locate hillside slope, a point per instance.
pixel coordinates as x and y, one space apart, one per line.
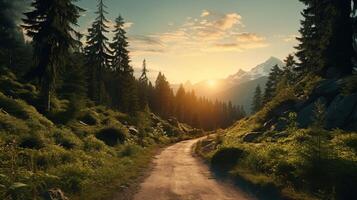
301 145
98 152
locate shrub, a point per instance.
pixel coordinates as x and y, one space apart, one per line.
91 143
112 136
12 107
352 143
227 158
32 141
350 85
89 118
52 156
72 177
130 150
66 139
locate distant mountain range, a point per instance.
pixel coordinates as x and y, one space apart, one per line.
239 87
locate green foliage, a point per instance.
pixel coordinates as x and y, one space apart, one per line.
48 28
322 36
66 139
112 136
72 177
91 144
97 56
227 157
32 141
89 118
10 86
130 150
257 100
350 85
272 84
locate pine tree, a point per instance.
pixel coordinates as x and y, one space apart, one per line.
98 54
120 65
180 101
143 87
11 36
338 38
162 96
308 47
326 44
50 25
289 69
257 100
270 87
120 61
143 78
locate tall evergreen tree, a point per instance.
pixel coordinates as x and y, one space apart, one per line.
326 42
180 103
289 69
50 25
257 100
12 40
143 87
98 54
270 87
162 95
144 78
120 61
127 88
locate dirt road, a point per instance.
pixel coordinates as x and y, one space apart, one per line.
177 175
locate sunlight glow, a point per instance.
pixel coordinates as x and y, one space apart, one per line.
211 83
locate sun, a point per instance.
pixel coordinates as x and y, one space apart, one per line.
211 83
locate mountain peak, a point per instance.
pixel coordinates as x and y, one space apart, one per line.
241 71
272 58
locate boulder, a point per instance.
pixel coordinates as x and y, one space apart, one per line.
174 122
353 120
280 135
250 137
55 194
133 130
328 87
340 111
306 115
282 108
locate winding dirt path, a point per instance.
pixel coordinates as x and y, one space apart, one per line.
177 175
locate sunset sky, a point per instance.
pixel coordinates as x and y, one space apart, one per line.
203 39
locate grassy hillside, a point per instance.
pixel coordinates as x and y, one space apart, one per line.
274 154
89 155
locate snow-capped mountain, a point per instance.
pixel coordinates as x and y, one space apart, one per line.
238 87
259 71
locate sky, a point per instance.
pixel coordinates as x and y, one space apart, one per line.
194 40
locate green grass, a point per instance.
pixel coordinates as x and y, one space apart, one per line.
73 152
310 163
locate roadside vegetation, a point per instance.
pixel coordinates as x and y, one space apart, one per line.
300 142
96 153
281 158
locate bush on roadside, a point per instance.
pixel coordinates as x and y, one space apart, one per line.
91 144
66 139
112 136
89 118
226 158
32 141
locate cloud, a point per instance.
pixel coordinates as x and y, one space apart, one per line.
249 37
288 38
205 13
211 31
146 39
128 25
